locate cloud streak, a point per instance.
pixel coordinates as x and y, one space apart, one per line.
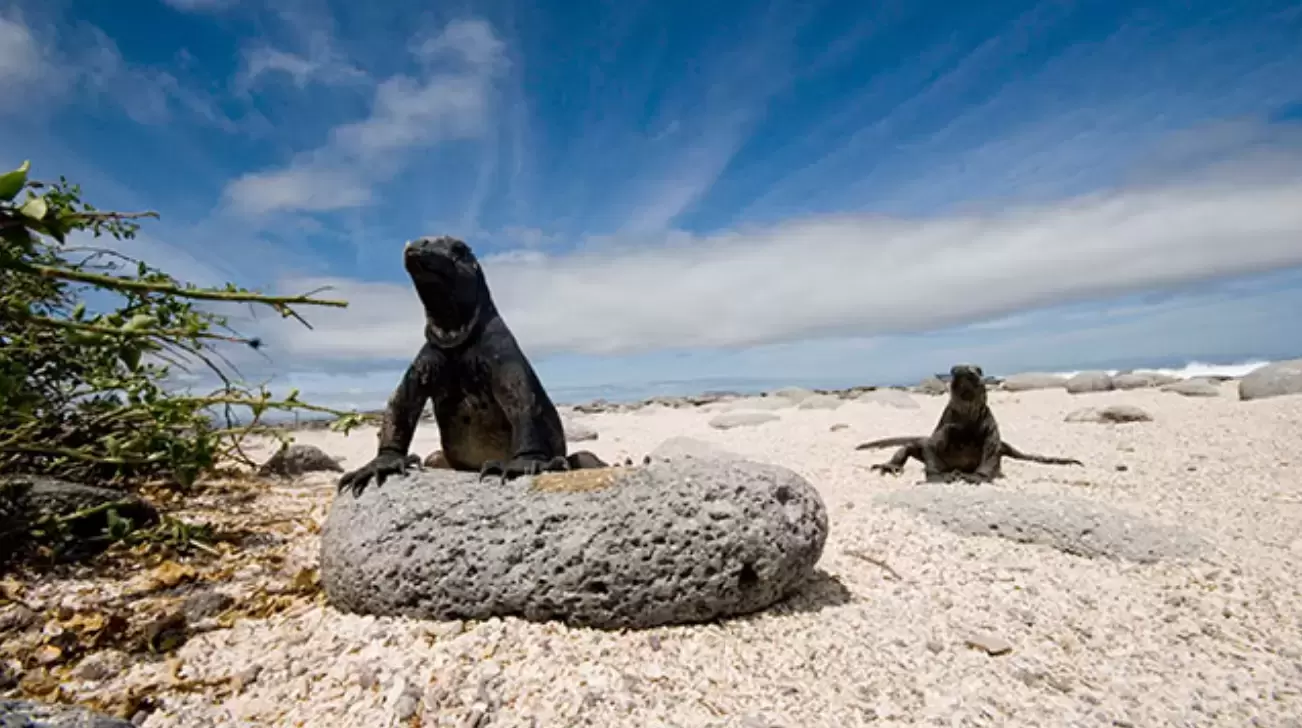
407 113
852 275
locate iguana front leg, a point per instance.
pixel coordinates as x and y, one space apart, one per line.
991 452
399 425
518 393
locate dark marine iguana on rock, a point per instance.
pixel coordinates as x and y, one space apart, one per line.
492 411
965 444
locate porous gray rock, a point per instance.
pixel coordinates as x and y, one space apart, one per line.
1278 379
297 459
1089 382
1193 388
1113 414
730 420
820 402
31 714
666 543
1072 525
890 398
1033 380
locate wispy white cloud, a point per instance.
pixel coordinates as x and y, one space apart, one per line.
322 65
406 113
22 61
82 64
853 275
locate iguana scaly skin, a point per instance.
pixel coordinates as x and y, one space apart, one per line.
492 411
965 444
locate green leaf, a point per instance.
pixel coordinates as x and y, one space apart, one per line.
11 183
35 208
79 311
139 321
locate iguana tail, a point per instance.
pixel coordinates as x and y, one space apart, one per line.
890 442
1009 451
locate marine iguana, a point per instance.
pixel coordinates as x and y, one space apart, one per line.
966 442
492 411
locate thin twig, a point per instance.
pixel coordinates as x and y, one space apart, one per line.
875 561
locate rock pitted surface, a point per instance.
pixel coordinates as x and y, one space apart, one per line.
1272 380
666 543
1073 525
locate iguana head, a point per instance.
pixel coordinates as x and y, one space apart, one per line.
967 385
451 287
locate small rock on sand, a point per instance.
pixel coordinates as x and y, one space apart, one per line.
1272 380
1194 388
991 644
297 459
1116 413
1033 380
730 420
890 398
1073 525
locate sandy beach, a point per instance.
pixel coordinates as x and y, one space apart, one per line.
898 628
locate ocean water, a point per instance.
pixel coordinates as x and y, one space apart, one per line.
637 392
1192 369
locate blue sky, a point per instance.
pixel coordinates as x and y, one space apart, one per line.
710 193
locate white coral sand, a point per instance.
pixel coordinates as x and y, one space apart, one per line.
1093 642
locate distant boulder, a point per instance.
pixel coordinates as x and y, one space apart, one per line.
1033 380
932 385
1089 382
1194 388
1272 380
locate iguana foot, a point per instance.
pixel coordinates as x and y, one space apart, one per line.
516 467
887 468
380 468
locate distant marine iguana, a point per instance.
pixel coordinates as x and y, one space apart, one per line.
966 442
492 411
